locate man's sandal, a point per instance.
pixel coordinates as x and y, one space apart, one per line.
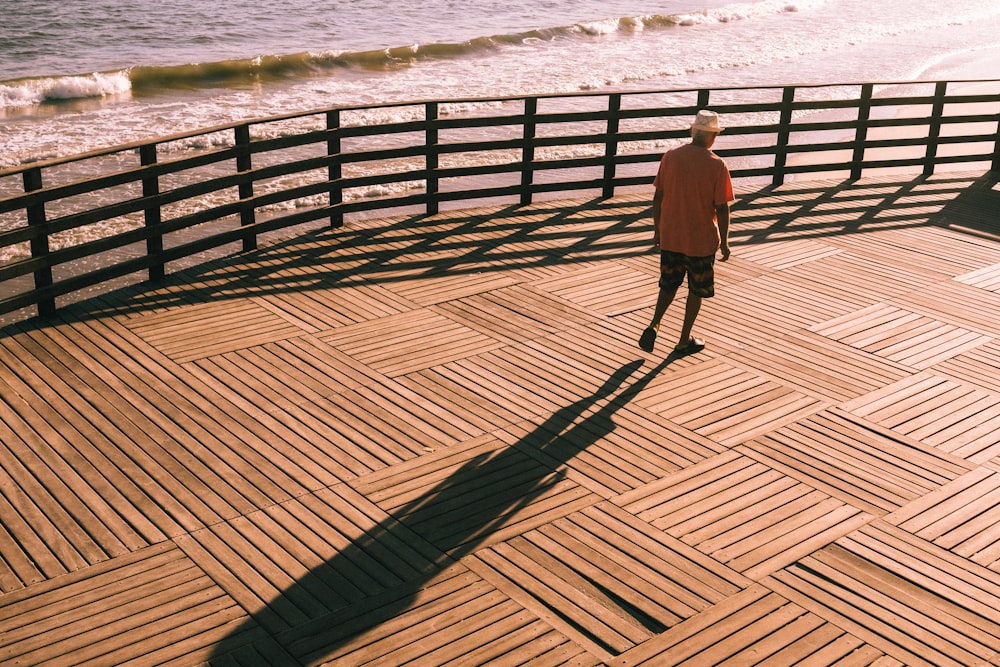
693 345
647 340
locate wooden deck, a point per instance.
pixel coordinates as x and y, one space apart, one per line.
434 441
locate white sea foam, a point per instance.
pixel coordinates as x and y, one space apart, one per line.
605 27
36 91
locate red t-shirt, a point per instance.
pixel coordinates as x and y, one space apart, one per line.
694 180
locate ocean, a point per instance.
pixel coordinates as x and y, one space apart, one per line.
76 75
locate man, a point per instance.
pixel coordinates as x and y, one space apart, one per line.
693 191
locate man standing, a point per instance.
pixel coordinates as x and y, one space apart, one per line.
690 223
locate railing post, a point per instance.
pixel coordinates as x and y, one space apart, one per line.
431 142
244 166
996 150
861 131
934 129
703 97
39 241
335 170
528 149
153 215
784 133
611 144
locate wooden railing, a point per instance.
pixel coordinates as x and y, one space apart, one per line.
134 211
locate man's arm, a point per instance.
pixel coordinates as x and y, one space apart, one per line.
657 201
722 215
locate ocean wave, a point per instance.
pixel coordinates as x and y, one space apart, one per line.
144 80
26 92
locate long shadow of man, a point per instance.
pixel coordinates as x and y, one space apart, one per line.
453 518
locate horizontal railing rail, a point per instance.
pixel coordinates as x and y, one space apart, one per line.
133 211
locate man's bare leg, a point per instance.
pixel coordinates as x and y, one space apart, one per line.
663 300
691 310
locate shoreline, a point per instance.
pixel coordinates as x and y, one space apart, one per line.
983 63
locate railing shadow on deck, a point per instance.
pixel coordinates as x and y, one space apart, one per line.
818 209
482 484
505 238
398 250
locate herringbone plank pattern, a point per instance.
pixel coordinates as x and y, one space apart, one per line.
447 449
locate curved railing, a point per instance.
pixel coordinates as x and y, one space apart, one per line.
141 210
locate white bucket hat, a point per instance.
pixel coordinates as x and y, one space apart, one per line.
707 121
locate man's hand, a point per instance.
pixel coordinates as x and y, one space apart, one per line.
724 249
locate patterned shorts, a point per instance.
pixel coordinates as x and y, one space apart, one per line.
699 270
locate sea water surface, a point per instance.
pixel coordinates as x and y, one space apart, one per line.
76 75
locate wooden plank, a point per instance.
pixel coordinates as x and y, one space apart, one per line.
699 382
458 399
902 336
506 381
441 288
562 383
450 619
210 434
786 254
114 611
987 278
207 639
515 313
300 561
109 517
726 404
248 382
397 345
902 249
355 441
321 308
840 328
776 305
961 305
204 330
437 424
961 517
603 290
611 451
942 612
403 483
965 420
596 623
476 376
845 458
474 494
941 242
733 319
111 470
522 643
898 396
44 535
603 579
817 366
648 502
750 627
755 522
980 366
858 280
